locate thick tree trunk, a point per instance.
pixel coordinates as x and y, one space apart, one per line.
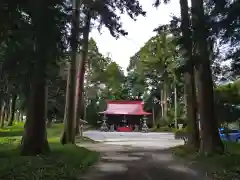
34 140
78 101
210 137
82 68
68 136
189 78
191 111
63 136
13 109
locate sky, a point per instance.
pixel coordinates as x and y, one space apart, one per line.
139 32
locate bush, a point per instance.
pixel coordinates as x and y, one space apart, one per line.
166 129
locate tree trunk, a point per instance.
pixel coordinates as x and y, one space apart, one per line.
2 114
63 136
191 111
85 111
6 111
175 106
13 109
78 101
161 101
165 96
34 140
189 78
185 100
19 116
68 136
82 67
210 137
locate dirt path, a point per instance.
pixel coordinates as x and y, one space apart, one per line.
128 163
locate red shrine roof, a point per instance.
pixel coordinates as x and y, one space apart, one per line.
123 107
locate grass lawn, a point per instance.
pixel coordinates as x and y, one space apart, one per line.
63 162
217 167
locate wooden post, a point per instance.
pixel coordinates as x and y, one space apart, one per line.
153 115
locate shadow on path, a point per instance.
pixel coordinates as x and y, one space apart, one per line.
128 163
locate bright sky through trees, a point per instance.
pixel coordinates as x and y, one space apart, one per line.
139 32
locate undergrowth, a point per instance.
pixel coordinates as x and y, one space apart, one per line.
63 162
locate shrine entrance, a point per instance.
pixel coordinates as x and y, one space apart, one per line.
124 116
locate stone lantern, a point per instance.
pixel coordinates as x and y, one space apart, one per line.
104 124
144 126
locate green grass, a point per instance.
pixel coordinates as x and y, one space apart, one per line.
217 167
63 162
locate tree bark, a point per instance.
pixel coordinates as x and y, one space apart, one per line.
34 140
162 106
68 136
185 99
175 106
82 66
19 116
78 101
2 114
13 109
210 137
63 136
165 96
192 127
6 110
189 78
85 111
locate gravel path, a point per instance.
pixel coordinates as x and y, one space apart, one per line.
119 162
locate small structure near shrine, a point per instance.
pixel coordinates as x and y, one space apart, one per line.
81 123
124 115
